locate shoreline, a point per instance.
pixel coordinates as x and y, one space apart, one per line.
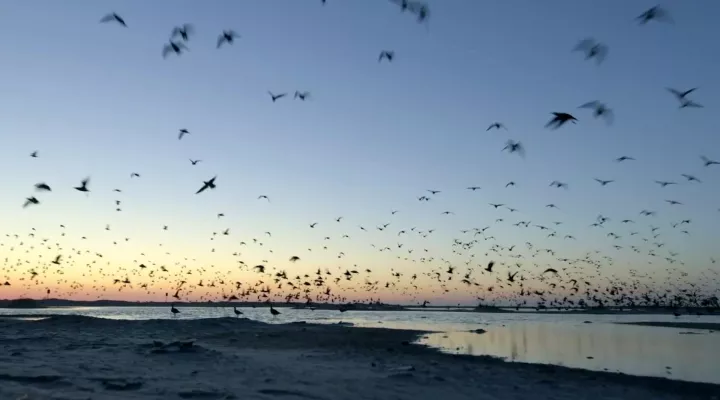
50 304
230 358
709 326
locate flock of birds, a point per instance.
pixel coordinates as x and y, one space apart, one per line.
520 280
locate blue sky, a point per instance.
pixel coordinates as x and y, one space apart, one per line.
98 100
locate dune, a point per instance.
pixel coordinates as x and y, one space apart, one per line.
73 357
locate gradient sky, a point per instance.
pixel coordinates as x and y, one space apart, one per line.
98 100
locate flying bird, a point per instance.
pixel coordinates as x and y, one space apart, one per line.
496 125
559 119
83 185
184 31
592 49
34 154
173 47
42 186
301 95
275 97
182 133
654 14
207 185
194 162
386 54
708 162
602 182
113 17
227 36
30 200
624 158
599 110
514 147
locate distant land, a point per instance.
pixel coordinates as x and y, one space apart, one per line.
375 306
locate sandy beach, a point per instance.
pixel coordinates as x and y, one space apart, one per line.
72 358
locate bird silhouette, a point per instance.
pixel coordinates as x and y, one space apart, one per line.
275 97
655 13
184 31
83 185
173 47
207 185
559 119
599 110
592 49
227 36
113 17
387 55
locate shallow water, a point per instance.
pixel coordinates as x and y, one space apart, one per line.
559 339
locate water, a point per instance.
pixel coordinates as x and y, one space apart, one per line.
559 339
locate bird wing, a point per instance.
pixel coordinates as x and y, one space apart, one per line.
202 189
590 104
220 40
676 92
107 18
165 51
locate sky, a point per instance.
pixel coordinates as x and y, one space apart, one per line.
98 100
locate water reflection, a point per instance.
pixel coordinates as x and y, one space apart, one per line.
629 349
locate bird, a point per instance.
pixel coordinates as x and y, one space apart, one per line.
599 110
496 125
592 49
681 97
56 261
227 36
655 13
624 158
559 119
42 186
30 200
34 154
182 133
194 162
294 259
275 97
708 162
603 182
134 175
273 311
174 310
301 95
691 178
237 312
207 185
173 47
386 54
184 31
490 266
514 147
83 185
113 17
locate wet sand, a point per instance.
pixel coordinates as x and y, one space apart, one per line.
72 357
712 326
